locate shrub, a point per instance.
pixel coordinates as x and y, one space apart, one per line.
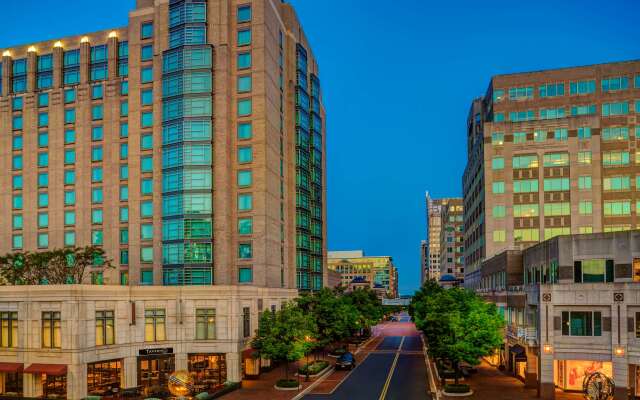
287 383
459 388
313 367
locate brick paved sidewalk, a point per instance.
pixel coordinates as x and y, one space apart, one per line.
262 389
491 384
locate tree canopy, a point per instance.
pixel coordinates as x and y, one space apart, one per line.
54 267
458 324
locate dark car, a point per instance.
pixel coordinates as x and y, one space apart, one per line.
346 361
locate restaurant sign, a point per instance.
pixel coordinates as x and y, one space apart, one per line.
154 352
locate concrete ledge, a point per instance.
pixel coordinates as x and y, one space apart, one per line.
276 387
445 394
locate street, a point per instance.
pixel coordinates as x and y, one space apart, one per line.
395 370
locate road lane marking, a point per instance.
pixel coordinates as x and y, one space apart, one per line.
385 388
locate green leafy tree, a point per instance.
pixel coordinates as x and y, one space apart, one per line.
367 304
458 325
335 318
54 267
285 335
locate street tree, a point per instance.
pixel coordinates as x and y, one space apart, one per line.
367 304
459 326
285 335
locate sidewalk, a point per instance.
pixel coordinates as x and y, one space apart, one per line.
489 383
262 388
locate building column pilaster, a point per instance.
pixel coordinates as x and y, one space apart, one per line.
130 366
234 373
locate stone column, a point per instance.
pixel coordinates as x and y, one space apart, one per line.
76 381
58 67
181 361
32 66
85 61
6 73
130 372
32 385
620 363
112 57
234 372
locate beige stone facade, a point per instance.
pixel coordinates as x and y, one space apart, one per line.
137 338
434 223
251 155
550 152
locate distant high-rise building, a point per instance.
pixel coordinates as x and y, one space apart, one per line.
424 262
434 223
551 153
452 241
359 270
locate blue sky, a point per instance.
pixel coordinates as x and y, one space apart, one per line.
398 78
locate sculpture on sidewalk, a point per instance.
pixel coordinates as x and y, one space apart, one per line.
598 386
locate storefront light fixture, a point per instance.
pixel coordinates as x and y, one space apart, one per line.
547 348
31 49
57 44
619 351
6 53
113 34
85 39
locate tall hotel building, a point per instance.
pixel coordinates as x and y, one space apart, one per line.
189 145
551 153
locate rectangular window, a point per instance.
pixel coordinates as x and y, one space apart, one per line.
555 184
615 84
244 14
615 158
526 235
612 109
498 187
244 107
146 52
245 226
499 236
154 325
519 137
497 138
584 157
561 135
585 207
551 90
244 84
526 210
584 133
617 208
245 275
557 209
205 324
244 37
105 328
497 163
521 93
556 160
582 87
245 154
9 331
525 186
615 133
245 202
581 323
146 74
617 183
244 60
146 30
51 330
246 321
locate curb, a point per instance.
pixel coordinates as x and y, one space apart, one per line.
433 386
309 388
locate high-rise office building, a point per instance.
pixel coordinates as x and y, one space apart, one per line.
434 223
424 262
551 153
452 242
190 146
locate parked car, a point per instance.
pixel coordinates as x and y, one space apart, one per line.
346 361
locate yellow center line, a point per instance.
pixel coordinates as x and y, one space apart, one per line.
385 388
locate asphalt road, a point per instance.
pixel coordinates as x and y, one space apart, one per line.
396 370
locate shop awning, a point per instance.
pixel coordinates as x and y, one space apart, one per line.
247 353
49 369
11 367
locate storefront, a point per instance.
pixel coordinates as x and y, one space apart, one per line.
250 365
570 374
209 371
53 378
104 378
518 361
154 368
11 379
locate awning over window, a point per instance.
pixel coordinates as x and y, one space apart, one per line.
11 367
49 369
